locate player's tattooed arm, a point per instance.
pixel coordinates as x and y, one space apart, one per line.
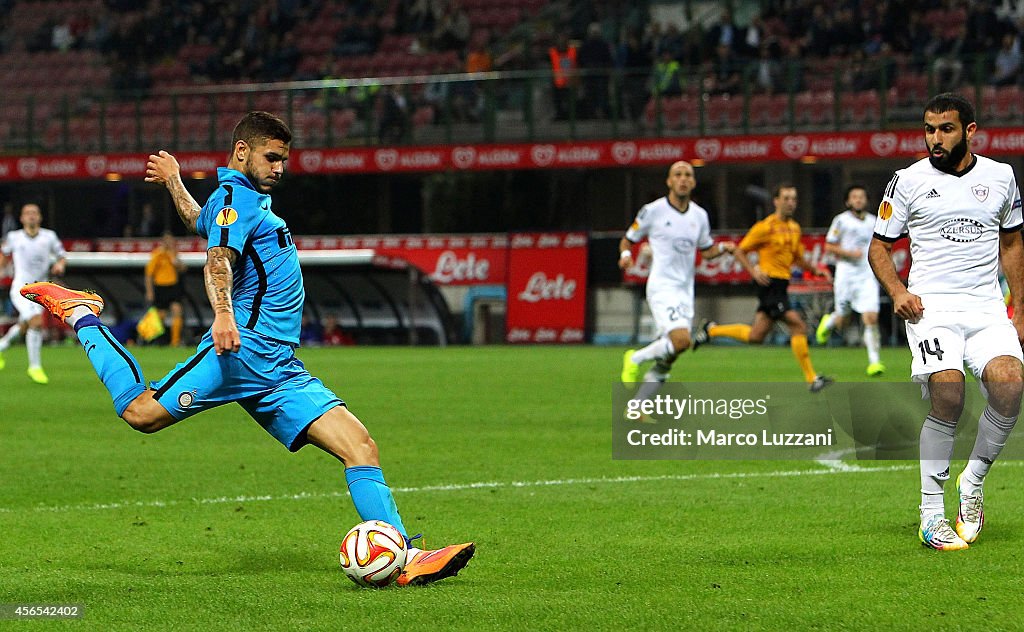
218 276
163 168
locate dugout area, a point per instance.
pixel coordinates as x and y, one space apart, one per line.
375 305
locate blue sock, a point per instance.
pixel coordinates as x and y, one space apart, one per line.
116 368
372 497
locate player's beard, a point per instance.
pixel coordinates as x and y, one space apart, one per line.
950 159
262 185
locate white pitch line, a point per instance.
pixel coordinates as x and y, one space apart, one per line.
456 487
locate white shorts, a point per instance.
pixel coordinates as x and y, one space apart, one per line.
671 309
26 309
856 293
943 341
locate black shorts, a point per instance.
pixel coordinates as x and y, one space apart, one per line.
773 299
164 295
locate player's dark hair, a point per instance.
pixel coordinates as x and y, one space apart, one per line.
22 206
950 102
780 186
854 187
258 127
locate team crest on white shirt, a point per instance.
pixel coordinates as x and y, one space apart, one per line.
980 191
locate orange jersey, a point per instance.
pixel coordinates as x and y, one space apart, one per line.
778 245
161 268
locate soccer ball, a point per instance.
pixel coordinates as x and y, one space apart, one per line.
373 554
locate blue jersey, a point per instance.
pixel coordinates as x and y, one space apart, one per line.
267 289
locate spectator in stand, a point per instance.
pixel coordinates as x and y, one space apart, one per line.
357 37
150 224
859 74
425 15
466 98
61 38
724 73
944 49
767 74
311 334
755 34
985 27
693 51
667 80
101 28
563 58
672 40
724 33
478 53
632 60
650 39
596 62
452 32
846 35
334 335
817 40
436 93
394 115
79 26
793 68
1008 61
280 60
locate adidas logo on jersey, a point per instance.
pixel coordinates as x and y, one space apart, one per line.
932 195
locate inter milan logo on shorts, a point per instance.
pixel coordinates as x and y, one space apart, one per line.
961 230
980 191
185 399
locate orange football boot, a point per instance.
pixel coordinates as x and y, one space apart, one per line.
427 567
61 301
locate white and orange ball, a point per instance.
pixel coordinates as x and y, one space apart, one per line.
373 554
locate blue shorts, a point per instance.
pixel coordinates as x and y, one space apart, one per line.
264 377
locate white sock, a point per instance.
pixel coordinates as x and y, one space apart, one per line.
653 380
873 341
936 451
660 349
77 313
33 342
9 337
993 429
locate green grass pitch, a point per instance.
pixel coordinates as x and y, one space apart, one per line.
211 525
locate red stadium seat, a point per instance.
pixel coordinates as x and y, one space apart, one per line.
1009 102
860 107
724 112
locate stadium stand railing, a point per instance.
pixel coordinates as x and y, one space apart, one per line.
395 108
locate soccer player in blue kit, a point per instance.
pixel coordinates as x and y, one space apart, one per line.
254 285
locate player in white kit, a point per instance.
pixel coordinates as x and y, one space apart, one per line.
962 212
37 253
677 228
855 288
